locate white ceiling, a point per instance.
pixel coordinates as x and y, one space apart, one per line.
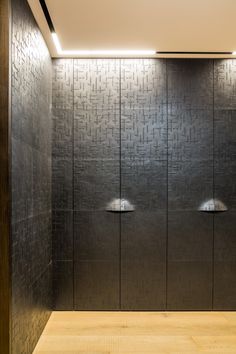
162 25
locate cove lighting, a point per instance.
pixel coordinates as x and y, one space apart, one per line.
234 53
88 53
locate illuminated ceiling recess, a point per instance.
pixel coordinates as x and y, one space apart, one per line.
96 53
137 28
87 53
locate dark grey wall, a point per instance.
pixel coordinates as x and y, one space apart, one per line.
31 180
162 133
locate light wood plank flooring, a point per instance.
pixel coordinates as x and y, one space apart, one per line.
139 332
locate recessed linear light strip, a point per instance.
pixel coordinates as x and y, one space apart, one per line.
60 51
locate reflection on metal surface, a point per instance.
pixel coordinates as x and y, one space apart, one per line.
120 205
213 205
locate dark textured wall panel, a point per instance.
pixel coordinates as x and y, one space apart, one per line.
225 156
144 130
62 235
62 85
97 236
143 183
31 96
31 181
41 182
62 182
190 251
63 287
190 286
97 239
190 182
97 134
225 84
31 248
225 261
96 183
96 85
143 109
190 134
22 180
225 184
143 83
190 83
96 285
143 254
32 308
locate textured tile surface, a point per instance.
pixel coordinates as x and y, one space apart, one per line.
146 130
96 84
143 109
189 285
62 235
143 260
189 184
22 180
190 260
225 156
144 183
190 134
225 186
62 84
225 261
96 183
143 84
63 278
96 285
225 84
190 236
97 236
62 183
97 134
31 181
190 84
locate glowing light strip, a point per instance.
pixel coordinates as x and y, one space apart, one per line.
234 53
60 51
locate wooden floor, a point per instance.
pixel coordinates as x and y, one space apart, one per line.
139 332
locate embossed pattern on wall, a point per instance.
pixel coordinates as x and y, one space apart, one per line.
96 183
31 180
225 183
161 134
144 183
62 183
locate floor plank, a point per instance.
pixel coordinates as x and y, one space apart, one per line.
139 332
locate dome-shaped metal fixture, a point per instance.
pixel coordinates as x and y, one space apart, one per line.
120 205
213 205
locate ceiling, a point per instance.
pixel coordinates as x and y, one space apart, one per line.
161 25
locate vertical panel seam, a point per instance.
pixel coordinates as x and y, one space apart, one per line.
120 248
213 184
73 184
167 182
